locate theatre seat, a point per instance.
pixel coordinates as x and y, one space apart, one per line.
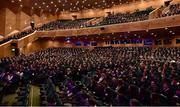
133 91
158 100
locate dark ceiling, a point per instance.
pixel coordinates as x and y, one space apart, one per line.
57 6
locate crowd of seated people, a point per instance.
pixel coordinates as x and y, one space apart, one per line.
17 36
173 10
106 75
111 19
76 24
126 17
11 80
170 54
65 24
54 25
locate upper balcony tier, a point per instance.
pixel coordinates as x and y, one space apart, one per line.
146 25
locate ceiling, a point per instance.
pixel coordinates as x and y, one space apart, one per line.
56 6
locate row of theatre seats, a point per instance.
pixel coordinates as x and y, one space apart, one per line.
65 24
23 95
48 95
126 17
111 19
103 76
173 10
14 82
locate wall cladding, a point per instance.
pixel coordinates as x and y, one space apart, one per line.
5 50
10 21
37 19
24 20
2 21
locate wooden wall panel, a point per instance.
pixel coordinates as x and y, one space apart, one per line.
40 44
2 21
175 1
37 20
18 20
10 21
24 20
26 40
5 50
125 45
32 47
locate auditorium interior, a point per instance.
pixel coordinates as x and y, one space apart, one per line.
90 53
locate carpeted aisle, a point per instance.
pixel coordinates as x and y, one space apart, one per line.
34 98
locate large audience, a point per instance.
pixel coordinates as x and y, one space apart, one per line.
173 10
65 24
103 76
126 17
110 19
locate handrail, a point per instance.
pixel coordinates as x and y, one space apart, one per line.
17 39
27 36
6 43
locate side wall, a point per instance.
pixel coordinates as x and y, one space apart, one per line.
5 50
2 21
10 21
